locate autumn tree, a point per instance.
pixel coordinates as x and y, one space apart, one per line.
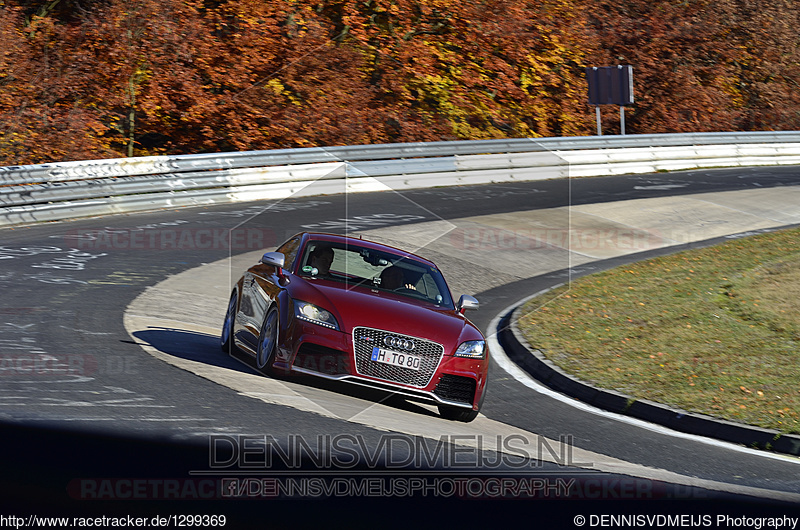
145 60
42 116
682 60
767 72
293 83
466 69
86 79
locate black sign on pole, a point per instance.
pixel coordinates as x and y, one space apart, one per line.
610 85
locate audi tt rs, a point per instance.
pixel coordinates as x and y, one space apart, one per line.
352 310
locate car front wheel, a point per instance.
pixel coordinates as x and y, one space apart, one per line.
226 337
268 342
457 413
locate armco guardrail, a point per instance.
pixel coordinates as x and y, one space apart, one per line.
49 192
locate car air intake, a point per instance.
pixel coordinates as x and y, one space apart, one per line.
456 388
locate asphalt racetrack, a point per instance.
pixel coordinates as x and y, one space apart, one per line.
115 398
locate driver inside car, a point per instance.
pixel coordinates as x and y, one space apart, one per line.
393 278
321 258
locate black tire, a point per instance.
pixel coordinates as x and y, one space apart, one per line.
226 337
457 413
268 342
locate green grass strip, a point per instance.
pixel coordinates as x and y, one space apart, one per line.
714 331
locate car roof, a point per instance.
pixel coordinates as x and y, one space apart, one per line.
336 238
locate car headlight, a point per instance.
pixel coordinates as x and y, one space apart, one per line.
473 349
314 314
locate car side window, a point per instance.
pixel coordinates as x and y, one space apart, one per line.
289 249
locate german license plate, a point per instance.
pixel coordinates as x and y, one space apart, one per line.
395 358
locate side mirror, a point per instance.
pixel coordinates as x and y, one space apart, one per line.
467 302
276 259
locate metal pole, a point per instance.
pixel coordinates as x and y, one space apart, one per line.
599 126
622 119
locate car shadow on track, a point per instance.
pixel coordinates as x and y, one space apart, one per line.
204 348
189 345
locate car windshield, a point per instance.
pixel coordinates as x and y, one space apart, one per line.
376 269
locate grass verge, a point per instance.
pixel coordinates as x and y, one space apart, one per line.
714 331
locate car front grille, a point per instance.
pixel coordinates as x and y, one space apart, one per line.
365 339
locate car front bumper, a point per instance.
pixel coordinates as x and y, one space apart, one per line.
443 378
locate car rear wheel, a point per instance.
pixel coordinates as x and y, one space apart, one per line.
457 413
226 337
268 342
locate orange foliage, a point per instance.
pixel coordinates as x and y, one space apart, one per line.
98 79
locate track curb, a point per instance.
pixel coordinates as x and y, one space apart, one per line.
533 362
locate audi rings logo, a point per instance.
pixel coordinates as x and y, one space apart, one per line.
398 343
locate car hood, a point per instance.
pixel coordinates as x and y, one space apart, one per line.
359 306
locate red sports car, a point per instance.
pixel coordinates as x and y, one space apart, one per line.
353 310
